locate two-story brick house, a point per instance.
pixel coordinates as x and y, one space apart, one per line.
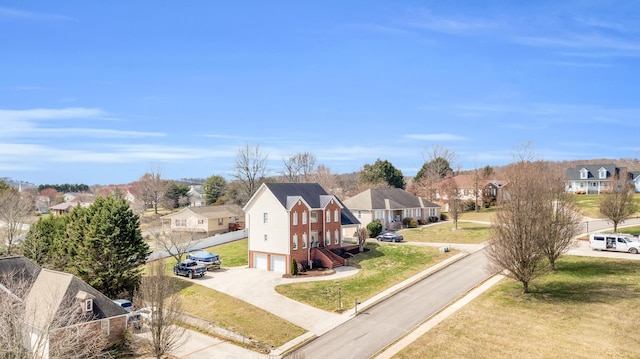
298 221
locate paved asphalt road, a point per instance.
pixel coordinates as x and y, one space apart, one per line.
372 330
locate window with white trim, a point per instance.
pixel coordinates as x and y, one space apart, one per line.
295 241
602 173
220 221
336 216
88 305
266 236
584 173
265 217
359 214
328 216
313 217
336 237
327 239
304 240
304 217
295 218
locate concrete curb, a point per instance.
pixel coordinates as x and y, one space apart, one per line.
436 319
404 284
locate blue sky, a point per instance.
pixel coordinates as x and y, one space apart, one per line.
101 92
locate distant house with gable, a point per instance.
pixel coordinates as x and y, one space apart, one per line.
207 220
594 179
390 206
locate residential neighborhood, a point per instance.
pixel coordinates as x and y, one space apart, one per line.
291 234
317 180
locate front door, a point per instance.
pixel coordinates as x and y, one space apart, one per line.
314 239
622 245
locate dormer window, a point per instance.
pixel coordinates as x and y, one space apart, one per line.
584 173
602 173
86 301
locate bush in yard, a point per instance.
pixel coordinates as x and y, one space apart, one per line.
443 216
469 206
294 267
433 219
409 222
374 228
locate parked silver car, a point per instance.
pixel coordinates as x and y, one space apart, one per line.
390 236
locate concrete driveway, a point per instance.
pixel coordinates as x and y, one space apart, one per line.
256 286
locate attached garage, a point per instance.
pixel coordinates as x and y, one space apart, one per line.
260 261
278 264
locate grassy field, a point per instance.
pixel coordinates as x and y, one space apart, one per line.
484 215
380 268
585 310
236 315
588 204
466 233
233 254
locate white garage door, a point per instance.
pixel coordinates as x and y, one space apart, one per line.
278 264
260 261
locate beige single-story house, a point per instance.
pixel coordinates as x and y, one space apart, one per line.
205 219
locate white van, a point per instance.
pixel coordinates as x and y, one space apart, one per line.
618 242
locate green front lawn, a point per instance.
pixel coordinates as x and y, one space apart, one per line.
234 314
588 204
382 267
467 233
585 310
233 254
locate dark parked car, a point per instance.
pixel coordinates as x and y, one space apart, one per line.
390 236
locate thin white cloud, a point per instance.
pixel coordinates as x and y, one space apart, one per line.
436 137
580 41
15 14
49 113
425 19
28 124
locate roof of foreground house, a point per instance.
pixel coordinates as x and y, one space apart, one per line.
220 211
52 291
387 198
312 193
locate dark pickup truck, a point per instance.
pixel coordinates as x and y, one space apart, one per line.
189 269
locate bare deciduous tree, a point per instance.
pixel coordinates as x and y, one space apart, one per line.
176 243
449 189
299 167
325 179
159 292
438 164
519 225
151 189
363 234
561 221
617 204
15 210
250 168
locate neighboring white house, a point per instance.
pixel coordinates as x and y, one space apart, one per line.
390 206
196 196
593 179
